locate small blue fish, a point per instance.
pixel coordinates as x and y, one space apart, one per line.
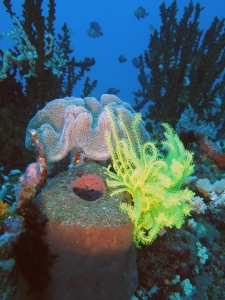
112 91
122 58
94 30
92 33
140 13
136 62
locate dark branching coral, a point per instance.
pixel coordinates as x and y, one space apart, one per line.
71 78
47 71
14 115
88 87
182 66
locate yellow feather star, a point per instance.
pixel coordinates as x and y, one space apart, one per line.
153 179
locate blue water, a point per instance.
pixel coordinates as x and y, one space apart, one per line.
123 34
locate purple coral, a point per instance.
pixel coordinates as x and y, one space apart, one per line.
29 183
74 122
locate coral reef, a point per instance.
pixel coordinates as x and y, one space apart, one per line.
192 129
32 255
35 175
11 226
39 53
81 123
182 66
93 239
194 252
29 182
152 178
4 209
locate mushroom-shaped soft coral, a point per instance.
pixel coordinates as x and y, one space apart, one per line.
73 122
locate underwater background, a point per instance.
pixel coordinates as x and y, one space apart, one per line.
112 149
123 34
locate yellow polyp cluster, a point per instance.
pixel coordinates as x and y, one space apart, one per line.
4 209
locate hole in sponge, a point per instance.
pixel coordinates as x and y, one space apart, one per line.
89 187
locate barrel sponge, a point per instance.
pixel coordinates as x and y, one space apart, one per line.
74 122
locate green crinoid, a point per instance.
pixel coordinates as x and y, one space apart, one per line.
152 177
